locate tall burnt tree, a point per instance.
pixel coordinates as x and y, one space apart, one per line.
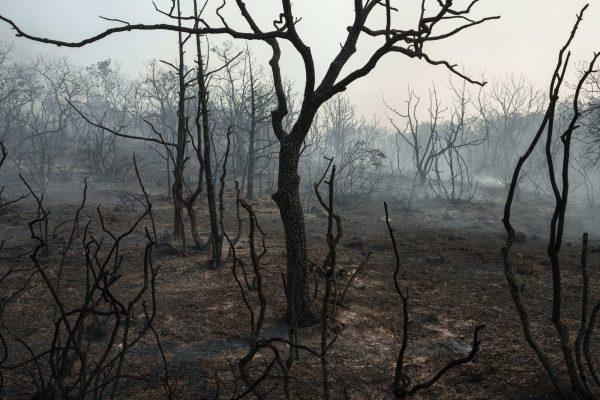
202 144
216 237
442 21
179 227
256 107
582 380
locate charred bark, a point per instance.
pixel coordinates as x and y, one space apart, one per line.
178 226
215 235
301 303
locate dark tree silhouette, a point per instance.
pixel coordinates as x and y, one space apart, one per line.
433 25
583 380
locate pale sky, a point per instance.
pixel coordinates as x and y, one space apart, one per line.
524 41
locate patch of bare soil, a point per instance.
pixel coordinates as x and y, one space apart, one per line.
450 263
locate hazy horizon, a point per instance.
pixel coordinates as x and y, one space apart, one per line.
525 41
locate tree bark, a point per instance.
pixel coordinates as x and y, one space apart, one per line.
301 304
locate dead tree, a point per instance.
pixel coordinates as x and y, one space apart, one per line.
259 100
91 334
426 147
329 270
203 144
231 92
431 26
106 95
41 135
452 177
353 142
582 380
215 234
252 282
402 384
509 110
180 158
14 82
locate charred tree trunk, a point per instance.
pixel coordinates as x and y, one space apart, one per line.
178 227
215 235
252 138
301 305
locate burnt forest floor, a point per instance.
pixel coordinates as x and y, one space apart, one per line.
449 260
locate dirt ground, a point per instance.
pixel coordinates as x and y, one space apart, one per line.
450 263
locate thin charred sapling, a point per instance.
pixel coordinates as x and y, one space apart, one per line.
216 238
91 334
244 105
329 262
252 282
329 266
237 214
3 156
582 380
222 181
402 384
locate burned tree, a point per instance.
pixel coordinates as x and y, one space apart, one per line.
259 99
452 178
354 143
423 138
402 385
431 26
508 114
582 377
157 86
93 332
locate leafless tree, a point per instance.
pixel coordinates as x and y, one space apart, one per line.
158 90
582 381
106 98
509 111
229 94
453 178
431 26
92 333
423 138
256 109
402 384
355 144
